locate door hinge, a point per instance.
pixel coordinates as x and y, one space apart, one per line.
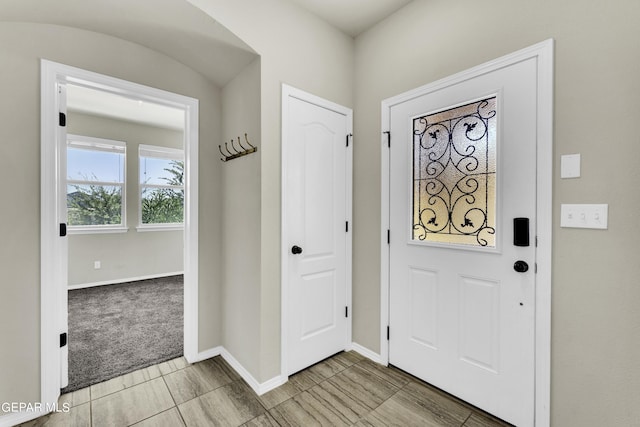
388 237
63 339
349 135
62 119
346 226
346 311
388 333
388 138
63 229
535 268
536 241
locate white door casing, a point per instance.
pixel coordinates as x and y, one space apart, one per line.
461 318
316 168
53 288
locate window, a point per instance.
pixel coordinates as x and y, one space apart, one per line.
95 184
161 187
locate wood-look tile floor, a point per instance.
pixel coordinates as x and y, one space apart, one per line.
344 390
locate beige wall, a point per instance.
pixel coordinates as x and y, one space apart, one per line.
298 49
21 47
595 319
132 254
241 220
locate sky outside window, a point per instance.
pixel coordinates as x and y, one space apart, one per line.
91 165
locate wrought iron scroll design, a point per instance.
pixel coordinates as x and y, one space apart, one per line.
453 171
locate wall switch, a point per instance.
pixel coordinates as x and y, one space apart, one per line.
96 265
584 216
570 166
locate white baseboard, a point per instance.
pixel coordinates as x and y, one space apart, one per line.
369 354
13 419
259 388
269 385
130 279
207 354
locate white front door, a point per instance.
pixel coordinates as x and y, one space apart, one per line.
316 242
462 207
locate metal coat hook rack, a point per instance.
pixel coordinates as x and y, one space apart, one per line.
233 152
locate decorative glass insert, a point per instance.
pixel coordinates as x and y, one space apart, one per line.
454 175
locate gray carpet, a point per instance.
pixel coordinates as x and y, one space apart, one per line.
116 329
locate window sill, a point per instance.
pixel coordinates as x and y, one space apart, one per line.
160 227
94 230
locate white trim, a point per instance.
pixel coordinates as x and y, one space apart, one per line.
95 230
271 384
544 233
160 152
117 281
258 388
289 91
13 419
369 354
159 227
543 53
208 354
53 74
83 142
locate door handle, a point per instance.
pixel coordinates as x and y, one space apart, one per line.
296 250
521 266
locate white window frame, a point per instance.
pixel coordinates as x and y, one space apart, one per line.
111 146
157 152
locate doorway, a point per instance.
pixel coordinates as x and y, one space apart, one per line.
55 78
316 229
466 257
125 216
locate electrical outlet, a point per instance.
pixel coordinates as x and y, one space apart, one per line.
584 216
96 265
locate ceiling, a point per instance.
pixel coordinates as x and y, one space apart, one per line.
352 16
175 28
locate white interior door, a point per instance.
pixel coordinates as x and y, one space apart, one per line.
316 242
62 241
462 306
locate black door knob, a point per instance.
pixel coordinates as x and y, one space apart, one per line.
521 266
296 250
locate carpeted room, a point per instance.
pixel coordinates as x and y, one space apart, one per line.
125 240
120 328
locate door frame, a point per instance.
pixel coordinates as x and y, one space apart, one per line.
51 285
291 92
543 54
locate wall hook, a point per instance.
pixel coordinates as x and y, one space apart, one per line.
234 152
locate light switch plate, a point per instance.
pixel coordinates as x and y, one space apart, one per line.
570 166
584 216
